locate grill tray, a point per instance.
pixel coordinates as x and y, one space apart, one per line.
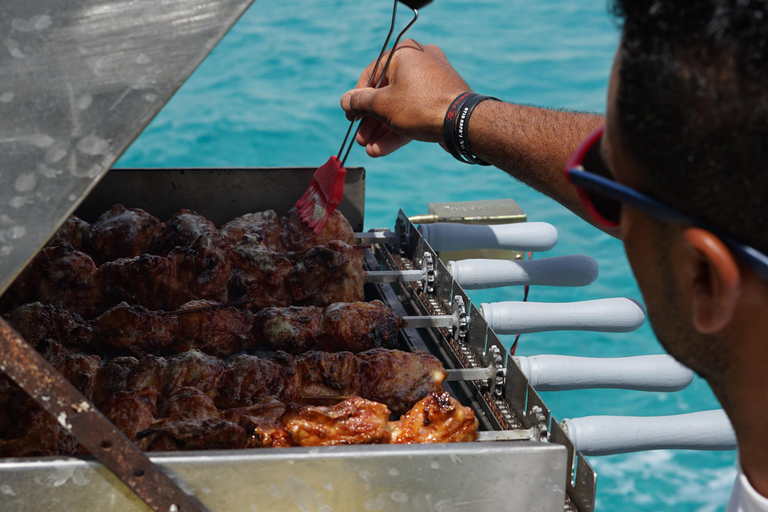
487 476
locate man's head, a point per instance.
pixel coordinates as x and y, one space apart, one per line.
693 107
688 125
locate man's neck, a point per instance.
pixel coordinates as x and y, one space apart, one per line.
744 396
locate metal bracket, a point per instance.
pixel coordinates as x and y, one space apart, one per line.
401 228
497 381
428 267
461 319
541 423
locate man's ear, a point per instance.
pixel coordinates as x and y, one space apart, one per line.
715 280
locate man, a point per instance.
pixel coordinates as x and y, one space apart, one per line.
687 128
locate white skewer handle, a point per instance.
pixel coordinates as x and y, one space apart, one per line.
521 236
602 315
609 435
476 274
642 373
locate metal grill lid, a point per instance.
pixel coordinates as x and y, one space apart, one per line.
79 80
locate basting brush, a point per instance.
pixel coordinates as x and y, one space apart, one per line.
327 188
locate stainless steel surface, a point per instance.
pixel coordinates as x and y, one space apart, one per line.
471 373
527 434
79 79
218 194
420 322
394 276
480 477
376 236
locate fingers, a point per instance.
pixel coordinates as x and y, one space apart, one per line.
360 102
379 139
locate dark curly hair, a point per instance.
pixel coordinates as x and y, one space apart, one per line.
693 107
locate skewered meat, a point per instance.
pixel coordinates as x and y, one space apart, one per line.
264 226
214 330
335 270
296 236
438 418
190 420
121 233
182 230
75 232
128 232
66 278
247 379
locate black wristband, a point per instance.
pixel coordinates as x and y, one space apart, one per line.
462 127
449 125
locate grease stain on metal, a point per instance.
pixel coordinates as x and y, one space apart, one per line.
25 182
92 145
83 102
37 22
143 59
17 202
49 172
393 472
14 49
434 464
41 140
7 97
399 497
377 503
56 152
7 490
276 491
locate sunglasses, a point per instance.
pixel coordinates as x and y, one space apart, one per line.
602 198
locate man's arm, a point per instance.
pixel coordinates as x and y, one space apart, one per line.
531 144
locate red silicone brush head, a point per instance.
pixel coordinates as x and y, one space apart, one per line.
323 195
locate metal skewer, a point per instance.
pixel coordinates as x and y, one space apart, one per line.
381 77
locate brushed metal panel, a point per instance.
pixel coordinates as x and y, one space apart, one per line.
480 477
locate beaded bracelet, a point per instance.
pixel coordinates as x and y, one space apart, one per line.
456 123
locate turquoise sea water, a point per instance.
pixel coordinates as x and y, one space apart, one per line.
268 95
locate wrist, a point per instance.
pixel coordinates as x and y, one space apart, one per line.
456 126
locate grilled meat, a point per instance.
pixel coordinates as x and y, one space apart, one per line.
68 279
194 422
191 420
214 330
128 232
247 379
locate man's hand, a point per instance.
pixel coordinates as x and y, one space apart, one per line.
411 101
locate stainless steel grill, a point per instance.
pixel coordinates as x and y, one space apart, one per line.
535 472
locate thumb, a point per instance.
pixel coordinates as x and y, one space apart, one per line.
360 102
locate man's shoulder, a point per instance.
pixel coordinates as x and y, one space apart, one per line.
744 498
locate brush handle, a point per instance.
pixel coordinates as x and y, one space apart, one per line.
476 274
601 315
521 236
609 435
415 4
642 373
